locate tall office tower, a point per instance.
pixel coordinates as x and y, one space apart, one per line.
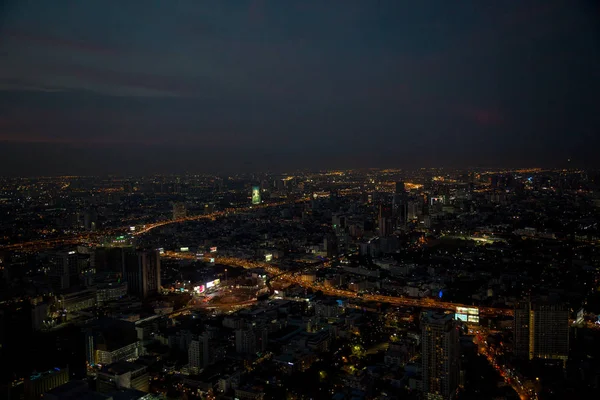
109 259
386 227
412 211
179 211
199 353
63 269
385 211
541 330
142 272
400 189
440 355
256 195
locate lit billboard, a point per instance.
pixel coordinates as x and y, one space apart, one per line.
183 249
213 249
467 314
255 195
268 257
212 283
199 289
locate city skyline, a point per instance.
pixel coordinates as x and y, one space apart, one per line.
91 88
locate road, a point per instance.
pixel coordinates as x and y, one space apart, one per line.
525 389
288 276
97 237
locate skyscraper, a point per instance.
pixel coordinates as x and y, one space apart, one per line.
142 272
440 355
63 269
541 330
400 189
385 220
199 353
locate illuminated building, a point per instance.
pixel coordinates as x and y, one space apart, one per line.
469 315
108 353
179 211
110 291
440 355
256 195
122 375
142 272
77 300
40 383
541 330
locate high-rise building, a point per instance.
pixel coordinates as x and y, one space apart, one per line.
541 330
142 272
440 355
245 341
386 227
63 269
256 195
400 189
109 259
179 211
385 211
251 340
412 211
199 353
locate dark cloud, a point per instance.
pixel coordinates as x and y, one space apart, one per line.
186 85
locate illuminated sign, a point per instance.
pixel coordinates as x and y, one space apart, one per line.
212 260
161 250
199 289
213 249
72 252
255 195
268 257
467 314
212 283
199 256
132 228
184 249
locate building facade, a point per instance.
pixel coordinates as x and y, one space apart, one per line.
440 355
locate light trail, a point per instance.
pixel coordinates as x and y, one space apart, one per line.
96 237
283 275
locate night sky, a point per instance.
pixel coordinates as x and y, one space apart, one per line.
147 86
